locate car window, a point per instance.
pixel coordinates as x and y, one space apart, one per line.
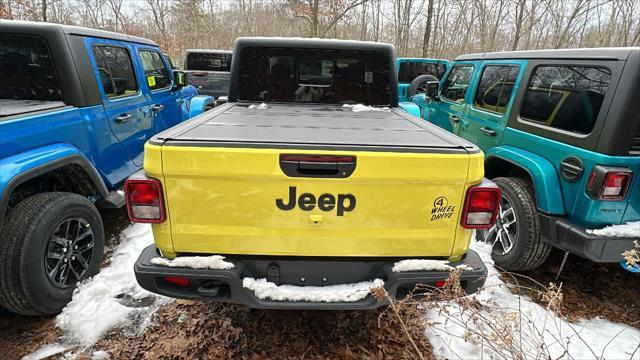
407 70
155 71
116 71
314 76
495 88
26 69
566 97
456 85
208 61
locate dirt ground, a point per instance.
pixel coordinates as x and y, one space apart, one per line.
590 289
189 329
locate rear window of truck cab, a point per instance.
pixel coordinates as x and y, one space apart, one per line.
26 69
208 61
314 76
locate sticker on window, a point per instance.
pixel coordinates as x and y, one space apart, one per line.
151 80
368 77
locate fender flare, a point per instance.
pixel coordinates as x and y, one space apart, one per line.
198 104
22 167
544 175
411 108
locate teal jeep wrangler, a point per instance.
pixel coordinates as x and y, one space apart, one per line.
561 134
410 69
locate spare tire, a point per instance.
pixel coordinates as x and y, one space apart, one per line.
417 84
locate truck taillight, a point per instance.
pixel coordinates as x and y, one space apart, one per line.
609 183
481 207
144 200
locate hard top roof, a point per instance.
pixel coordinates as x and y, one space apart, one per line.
612 53
209 51
26 27
312 43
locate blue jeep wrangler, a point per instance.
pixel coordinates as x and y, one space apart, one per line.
76 107
561 134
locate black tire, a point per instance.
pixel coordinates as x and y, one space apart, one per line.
416 84
25 241
528 251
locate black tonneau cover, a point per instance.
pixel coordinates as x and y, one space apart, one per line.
313 127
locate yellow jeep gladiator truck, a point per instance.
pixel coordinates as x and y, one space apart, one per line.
309 179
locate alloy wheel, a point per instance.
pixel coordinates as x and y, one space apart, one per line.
69 252
503 234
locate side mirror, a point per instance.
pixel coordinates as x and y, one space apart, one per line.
431 89
179 79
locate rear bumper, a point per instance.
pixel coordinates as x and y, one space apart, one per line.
573 238
226 285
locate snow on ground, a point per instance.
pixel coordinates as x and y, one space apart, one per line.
100 355
426 265
361 107
330 293
262 106
586 339
214 262
46 352
112 298
630 229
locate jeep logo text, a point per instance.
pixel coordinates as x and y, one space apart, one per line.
325 202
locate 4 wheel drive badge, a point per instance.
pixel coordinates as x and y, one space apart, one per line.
441 209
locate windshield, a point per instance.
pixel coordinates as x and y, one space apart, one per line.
314 76
26 69
208 61
408 71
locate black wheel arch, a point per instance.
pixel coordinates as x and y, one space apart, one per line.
89 183
495 167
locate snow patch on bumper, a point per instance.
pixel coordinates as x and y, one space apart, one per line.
426 265
264 289
630 229
213 262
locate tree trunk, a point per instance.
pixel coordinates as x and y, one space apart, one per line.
427 29
44 10
314 18
519 18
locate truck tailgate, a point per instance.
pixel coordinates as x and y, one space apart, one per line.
226 190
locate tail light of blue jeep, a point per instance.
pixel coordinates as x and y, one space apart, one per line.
481 206
144 200
609 183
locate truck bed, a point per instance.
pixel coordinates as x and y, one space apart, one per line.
313 127
225 172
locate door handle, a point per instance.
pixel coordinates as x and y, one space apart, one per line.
123 118
454 119
488 131
157 107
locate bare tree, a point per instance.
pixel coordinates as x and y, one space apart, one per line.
427 29
435 28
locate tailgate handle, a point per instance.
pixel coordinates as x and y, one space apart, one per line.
317 166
